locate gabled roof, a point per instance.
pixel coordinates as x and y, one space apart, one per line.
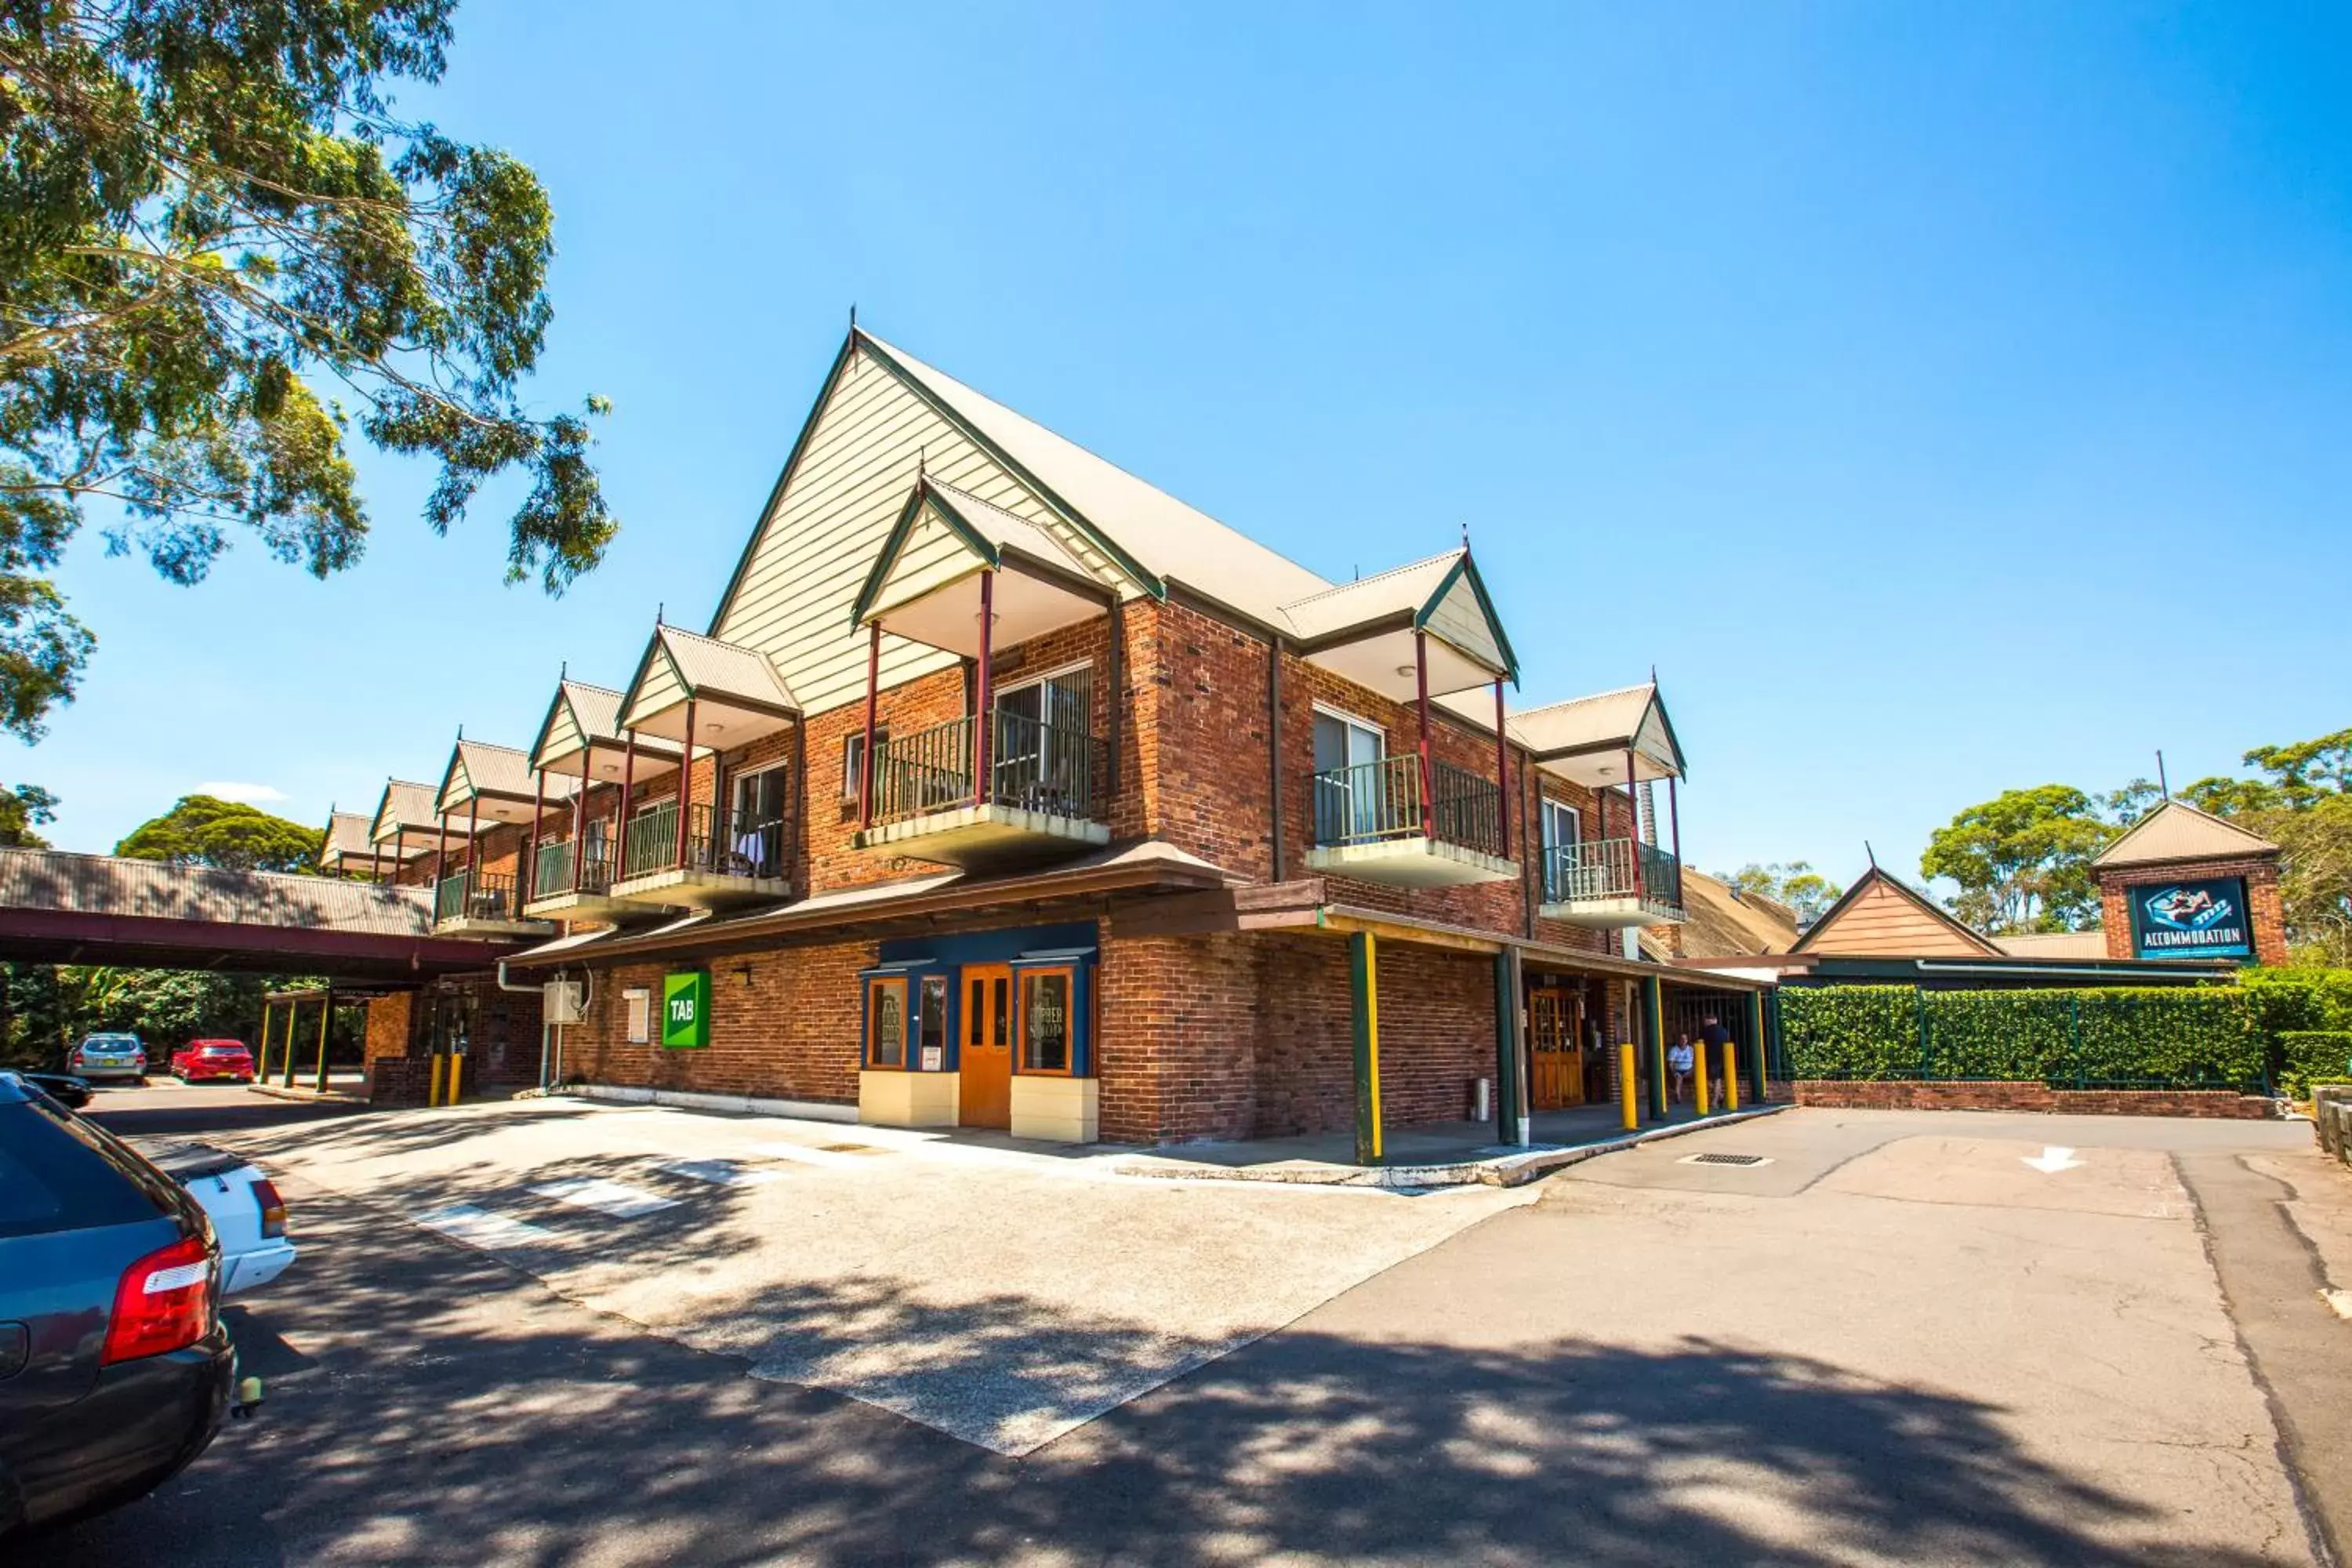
987 533
595 711
410 806
2178 831
347 834
1443 596
698 666
1633 717
1903 921
478 769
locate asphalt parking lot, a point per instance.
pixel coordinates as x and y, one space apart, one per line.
1901 1337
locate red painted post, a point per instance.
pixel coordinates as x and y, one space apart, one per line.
579 814
628 788
686 786
1420 686
472 853
527 872
1502 777
865 758
1675 817
1632 824
983 731
399 852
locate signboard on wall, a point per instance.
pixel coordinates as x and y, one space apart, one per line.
2203 919
686 1011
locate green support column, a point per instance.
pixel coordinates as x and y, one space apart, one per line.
293 1009
1755 1046
1653 1040
1364 993
1508 1103
326 1015
261 1048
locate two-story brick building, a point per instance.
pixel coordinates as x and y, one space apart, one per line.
1003 789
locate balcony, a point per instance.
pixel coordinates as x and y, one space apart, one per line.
556 893
1371 823
481 903
1045 790
1611 884
719 862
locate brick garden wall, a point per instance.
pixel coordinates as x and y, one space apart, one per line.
2028 1095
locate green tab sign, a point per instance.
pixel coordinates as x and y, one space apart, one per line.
686 1011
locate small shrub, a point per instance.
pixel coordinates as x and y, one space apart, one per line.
2313 1055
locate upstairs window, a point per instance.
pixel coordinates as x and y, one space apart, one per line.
853 757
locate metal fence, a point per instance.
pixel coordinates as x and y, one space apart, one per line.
1051 768
1371 802
717 841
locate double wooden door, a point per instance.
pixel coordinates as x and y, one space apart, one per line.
984 1085
1556 1057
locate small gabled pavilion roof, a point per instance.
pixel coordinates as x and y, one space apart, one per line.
924 584
346 839
737 692
407 814
1586 738
1365 630
1884 916
2177 831
581 737
494 784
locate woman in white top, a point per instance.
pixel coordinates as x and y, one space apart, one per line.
1680 1060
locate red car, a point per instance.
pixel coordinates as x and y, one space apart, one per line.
212 1058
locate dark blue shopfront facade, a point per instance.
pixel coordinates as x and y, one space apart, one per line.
937 1009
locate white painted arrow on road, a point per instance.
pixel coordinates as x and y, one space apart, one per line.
2053 1159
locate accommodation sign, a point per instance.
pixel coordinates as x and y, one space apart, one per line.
686 1011
2191 920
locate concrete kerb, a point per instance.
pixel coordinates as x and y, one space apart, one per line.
332 1095
1496 1171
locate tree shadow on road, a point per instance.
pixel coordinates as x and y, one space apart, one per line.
438 1406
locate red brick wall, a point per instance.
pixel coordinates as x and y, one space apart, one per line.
2208 1103
1176 1035
791 1033
2264 909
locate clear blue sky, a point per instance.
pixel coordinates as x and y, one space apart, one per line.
1943 398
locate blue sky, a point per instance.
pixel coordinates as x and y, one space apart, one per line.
1942 398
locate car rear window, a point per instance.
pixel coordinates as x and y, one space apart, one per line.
224 1051
58 1173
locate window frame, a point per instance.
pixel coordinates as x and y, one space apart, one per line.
637 1014
852 744
1022 979
875 985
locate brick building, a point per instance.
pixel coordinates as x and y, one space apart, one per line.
1003 789
2183 883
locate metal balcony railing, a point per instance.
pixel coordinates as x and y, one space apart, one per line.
1603 868
718 841
1049 768
552 873
475 896
1371 802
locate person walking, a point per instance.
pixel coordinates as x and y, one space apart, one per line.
1713 1036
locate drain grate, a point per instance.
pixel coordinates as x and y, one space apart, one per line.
1726 1160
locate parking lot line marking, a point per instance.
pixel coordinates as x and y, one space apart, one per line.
619 1199
721 1172
805 1155
480 1227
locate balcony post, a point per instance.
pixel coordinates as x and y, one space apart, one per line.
984 692
473 854
1674 822
579 814
686 787
628 788
1632 826
399 852
440 847
1502 779
1420 688
866 757
527 868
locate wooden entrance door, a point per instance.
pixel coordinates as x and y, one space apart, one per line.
984 1091
1558 1066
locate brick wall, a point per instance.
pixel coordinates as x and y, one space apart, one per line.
783 1026
2264 910
2206 1103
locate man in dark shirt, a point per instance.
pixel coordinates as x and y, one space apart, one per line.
1713 1036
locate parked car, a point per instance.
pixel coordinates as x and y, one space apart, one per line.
114 1368
109 1056
200 1059
67 1091
248 1216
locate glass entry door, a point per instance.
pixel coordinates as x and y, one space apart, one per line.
1349 781
755 834
1043 742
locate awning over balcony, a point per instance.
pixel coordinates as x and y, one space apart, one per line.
1366 631
407 824
926 584
1587 740
346 846
735 692
494 784
581 737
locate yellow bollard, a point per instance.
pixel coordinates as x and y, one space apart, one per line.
456 1072
433 1084
1628 1091
1698 1079
1730 1074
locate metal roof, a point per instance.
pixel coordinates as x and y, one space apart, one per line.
2178 831
56 879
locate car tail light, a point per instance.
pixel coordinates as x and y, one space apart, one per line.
164 1303
273 1207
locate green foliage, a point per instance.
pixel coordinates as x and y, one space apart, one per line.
1805 892
2313 1055
21 809
2126 1035
48 1008
209 214
201 830
2022 859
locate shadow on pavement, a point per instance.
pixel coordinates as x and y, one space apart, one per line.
453 1410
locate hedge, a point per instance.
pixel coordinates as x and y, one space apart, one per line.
2152 1036
2310 1055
